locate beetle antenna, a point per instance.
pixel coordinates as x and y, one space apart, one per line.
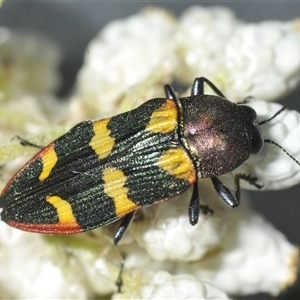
280 147
274 143
274 116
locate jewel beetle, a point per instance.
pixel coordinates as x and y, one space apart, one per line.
104 170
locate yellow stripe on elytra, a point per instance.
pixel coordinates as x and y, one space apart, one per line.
64 209
49 158
163 119
114 181
178 164
102 143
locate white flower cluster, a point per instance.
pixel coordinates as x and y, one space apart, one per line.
261 60
124 55
227 252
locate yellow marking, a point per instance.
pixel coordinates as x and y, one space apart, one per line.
178 164
114 187
163 119
49 158
64 210
102 143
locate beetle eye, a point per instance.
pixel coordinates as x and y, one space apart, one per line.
251 112
257 137
257 141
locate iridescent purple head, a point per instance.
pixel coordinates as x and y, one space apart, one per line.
221 135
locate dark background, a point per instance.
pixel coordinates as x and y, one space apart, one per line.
72 24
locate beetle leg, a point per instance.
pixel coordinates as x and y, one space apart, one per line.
206 209
248 178
198 87
224 193
195 207
170 94
246 100
24 142
123 227
118 235
119 281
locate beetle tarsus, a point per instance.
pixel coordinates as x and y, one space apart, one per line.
205 209
119 281
24 142
248 178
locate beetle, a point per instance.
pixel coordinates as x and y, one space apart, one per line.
101 171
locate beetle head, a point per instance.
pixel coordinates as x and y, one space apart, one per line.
220 135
